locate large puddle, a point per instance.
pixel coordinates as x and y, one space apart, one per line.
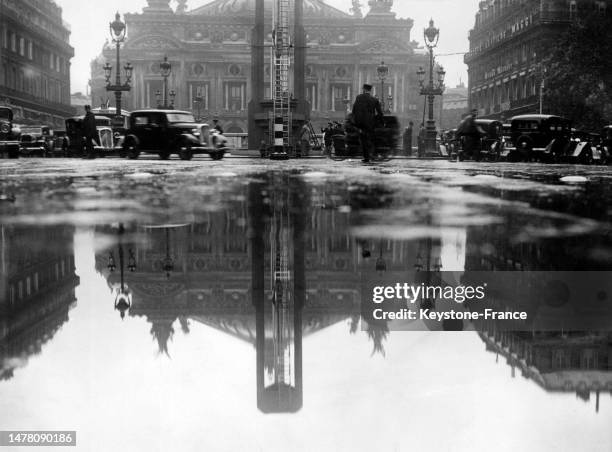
170 310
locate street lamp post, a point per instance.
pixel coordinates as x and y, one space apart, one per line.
383 71
431 89
165 69
198 101
118 33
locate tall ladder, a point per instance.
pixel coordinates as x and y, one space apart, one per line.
282 58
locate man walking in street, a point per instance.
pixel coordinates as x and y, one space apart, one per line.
470 135
89 132
365 111
217 126
407 139
304 146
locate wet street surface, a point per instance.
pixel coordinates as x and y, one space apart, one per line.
185 306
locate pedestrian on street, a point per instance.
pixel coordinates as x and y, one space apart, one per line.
217 126
421 140
89 132
470 134
366 110
407 139
304 136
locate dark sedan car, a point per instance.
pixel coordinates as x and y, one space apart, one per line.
9 134
541 137
166 132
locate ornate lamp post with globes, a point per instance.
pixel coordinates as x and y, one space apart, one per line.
118 34
431 89
165 69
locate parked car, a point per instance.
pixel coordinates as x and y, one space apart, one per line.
583 147
166 132
36 141
490 139
74 141
537 137
9 134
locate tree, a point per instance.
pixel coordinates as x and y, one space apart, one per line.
578 72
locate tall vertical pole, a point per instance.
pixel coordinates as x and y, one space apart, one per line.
256 133
299 68
118 83
430 139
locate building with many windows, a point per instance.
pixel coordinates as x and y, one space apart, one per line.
35 61
210 48
507 44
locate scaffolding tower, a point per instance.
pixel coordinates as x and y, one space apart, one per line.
281 97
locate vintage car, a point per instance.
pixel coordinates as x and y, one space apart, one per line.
9 134
36 141
537 137
74 141
489 145
346 140
490 139
166 132
583 147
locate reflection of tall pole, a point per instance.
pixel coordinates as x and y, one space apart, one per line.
278 323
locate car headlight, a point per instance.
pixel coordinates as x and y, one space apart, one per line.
5 128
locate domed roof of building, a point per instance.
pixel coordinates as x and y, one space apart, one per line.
312 8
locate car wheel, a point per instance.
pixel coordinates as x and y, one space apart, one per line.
130 148
185 152
216 155
586 158
164 155
524 145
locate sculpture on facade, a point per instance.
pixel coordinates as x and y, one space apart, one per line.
380 6
356 9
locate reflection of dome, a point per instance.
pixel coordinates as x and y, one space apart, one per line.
312 8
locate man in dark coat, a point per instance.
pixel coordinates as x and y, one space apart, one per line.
470 134
89 131
365 110
407 139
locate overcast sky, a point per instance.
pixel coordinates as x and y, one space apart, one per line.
89 23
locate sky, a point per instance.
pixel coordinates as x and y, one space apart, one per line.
89 24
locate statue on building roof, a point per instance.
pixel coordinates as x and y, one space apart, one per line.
181 8
158 6
356 9
380 6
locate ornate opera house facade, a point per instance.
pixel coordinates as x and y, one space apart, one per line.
209 49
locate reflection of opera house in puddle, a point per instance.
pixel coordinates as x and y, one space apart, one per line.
264 272
37 290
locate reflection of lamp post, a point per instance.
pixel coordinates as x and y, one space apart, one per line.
383 71
123 297
431 90
428 302
168 264
118 34
381 265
